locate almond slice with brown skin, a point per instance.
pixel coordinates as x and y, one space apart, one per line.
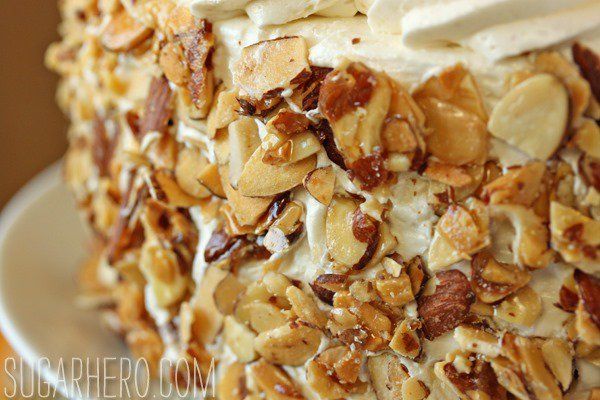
344 246
124 33
533 116
320 183
259 179
271 65
589 65
589 292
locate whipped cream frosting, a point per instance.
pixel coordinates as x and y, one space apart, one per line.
497 29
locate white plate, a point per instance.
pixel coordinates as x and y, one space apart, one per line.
42 245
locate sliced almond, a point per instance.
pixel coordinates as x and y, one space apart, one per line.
414 389
189 162
172 61
492 281
252 182
355 101
248 210
270 65
255 293
343 246
225 111
533 116
320 183
395 291
588 287
291 344
274 382
240 339
558 356
124 33
587 137
477 341
265 316
232 382
207 318
226 293
406 341
518 186
388 375
243 142
448 174
305 307
210 178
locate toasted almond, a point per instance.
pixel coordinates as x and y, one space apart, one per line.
477 341
248 210
523 307
270 65
326 285
342 244
587 138
164 188
291 344
322 381
446 121
448 174
252 182
305 307
448 306
240 339
530 243
492 281
254 293
388 375
243 142
189 162
558 356
469 379
575 236
355 101
406 341
395 291
533 116
542 383
265 316
172 61
589 65
414 389
161 269
224 111
232 383
207 318
588 287
210 178
274 382
518 186
283 151
320 183
226 293
124 33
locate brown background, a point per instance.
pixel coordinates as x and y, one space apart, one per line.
32 129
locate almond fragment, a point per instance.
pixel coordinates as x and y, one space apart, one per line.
589 291
207 318
447 174
224 111
326 285
575 236
189 162
414 389
518 186
475 340
210 178
305 307
226 293
172 62
254 293
265 316
320 183
158 108
492 281
164 188
587 137
558 356
240 339
589 65
355 101
270 65
232 383
406 340
243 142
252 181
274 382
395 291
478 382
350 235
248 210
124 33
537 106
448 306
523 307
388 375
291 344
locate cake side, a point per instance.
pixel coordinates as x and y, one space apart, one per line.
328 213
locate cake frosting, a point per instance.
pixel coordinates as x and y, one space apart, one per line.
499 44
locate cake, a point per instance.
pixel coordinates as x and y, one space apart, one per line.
325 199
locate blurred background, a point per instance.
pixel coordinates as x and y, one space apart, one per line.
32 129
